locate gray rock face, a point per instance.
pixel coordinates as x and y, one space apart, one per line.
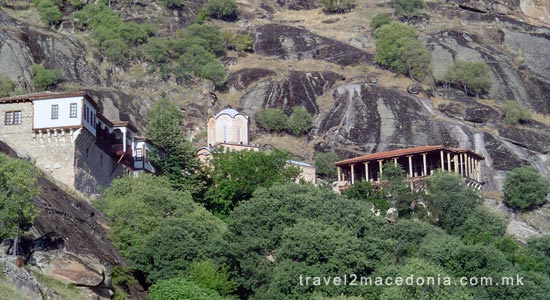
297 89
527 83
21 46
244 78
298 4
535 140
293 43
466 108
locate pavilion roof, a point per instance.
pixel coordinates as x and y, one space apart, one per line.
404 152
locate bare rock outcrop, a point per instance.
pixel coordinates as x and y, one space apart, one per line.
292 43
298 4
244 78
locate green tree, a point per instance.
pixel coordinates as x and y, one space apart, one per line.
364 191
221 8
379 20
161 231
398 49
337 6
213 71
272 119
156 50
324 165
132 33
207 275
396 190
472 77
174 3
524 188
214 40
235 175
514 112
173 156
450 201
43 78
408 8
7 86
116 50
482 226
181 288
17 189
300 121
49 11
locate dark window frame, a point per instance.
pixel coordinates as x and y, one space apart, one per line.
73 111
55 112
139 154
13 117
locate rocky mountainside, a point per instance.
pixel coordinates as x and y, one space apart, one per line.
324 62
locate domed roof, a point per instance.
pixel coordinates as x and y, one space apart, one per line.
227 111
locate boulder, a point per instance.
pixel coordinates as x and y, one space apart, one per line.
77 269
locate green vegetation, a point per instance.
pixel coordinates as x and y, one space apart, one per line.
174 4
398 49
514 112
17 189
337 6
408 8
239 42
221 9
7 86
235 175
206 275
9 291
62 290
181 288
274 119
524 188
173 155
379 20
49 11
324 165
43 79
472 77
364 191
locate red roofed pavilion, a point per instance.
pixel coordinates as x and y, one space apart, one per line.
417 162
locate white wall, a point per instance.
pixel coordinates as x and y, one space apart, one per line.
42 117
89 124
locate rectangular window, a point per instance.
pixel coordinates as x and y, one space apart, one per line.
139 154
86 113
74 110
55 111
13 118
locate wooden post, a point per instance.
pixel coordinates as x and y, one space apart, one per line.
442 161
425 165
367 171
339 169
352 175
410 166
449 161
380 167
461 165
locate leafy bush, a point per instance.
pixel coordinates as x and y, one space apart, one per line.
49 12
379 20
199 61
300 121
514 112
156 50
116 50
212 39
524 188
472 77
206 275
7 86
338 6
272 119
482 226
238 42
221 8
363 191
173 3
180 288
324 165
398 49
408 8
43 78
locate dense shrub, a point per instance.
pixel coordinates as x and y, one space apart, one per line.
180 288
514 112
173 3
7 86
220 9
156 50
324 165
472 77
338 6
43 78
398 49
524 188
272 119
407 8
364 191
300 121
379 20
206 275
49 11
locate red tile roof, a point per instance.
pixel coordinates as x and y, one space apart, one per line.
48 95
403 152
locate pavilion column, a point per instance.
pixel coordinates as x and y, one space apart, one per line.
442 161
395 162
367 171
461 164
425 164
352 175
410 166
478 170
449 161
455 158
380 169
469 160
339 169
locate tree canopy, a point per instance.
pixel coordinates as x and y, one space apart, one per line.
525 188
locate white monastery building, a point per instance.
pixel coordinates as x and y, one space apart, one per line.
67 136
